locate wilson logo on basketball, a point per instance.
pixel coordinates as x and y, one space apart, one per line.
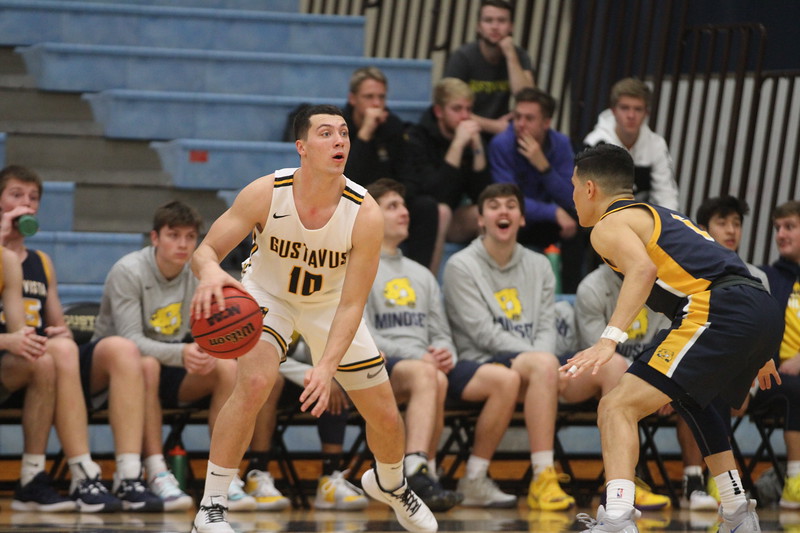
233 336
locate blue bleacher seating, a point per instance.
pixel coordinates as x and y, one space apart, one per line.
208 164
57 206
286 6
172 115
84 257
25 22
80 67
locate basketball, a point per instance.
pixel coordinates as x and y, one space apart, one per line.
230 333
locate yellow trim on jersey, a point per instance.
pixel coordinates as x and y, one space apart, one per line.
284 181
281 342
46 266
669 353
361 365
352 195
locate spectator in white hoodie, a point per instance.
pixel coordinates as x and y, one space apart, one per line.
624 125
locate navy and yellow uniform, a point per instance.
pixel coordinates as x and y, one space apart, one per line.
35 281
725 325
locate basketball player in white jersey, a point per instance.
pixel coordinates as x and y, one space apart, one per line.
316 248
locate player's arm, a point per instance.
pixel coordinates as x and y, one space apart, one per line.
620 237
362 265
249 210
53 313
20 340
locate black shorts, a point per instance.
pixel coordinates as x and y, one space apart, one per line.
716 347
86 356
462 373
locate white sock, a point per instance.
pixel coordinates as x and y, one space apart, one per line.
390 475
413 461
731 493
218 480
154 465
619 497
82 467
693 470
541 461
32 464
129 465
477 467
432 469
792 468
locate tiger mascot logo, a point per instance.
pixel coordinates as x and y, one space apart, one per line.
167 320
509 303
399 293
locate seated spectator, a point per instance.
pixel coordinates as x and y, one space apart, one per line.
500 299
20 193
624 124
27 380
146 298
493 66
378 150
784 282
407 321
334 492
448 162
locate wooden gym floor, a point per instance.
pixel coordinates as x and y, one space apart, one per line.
376 519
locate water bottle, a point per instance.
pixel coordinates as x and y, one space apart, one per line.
178 464
553 253
27 225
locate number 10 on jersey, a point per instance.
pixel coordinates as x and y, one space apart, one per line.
304 282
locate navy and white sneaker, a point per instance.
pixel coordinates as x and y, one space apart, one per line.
39 495
93 497
135 496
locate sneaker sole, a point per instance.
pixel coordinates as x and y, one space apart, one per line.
142 507
559 506
278 505
788 504
98 507
332 506
184 503
492 505
60 507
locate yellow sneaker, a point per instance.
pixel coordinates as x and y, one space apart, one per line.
546 494
646 500
712 489
790 499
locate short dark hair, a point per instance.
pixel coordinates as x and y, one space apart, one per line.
23 174
787 209
176 214
302 121
538 96
610 166
720 206
378 188
501 4
501 190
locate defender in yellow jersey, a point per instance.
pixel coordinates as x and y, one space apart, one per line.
725 328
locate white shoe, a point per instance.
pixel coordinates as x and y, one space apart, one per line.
261 486
742 520
411 511
483 492
166 487
238 499
624 524
212 517
335 492
694 490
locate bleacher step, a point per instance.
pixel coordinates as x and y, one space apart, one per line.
89 68
128 114
25 22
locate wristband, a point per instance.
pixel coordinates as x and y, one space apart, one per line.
615 334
